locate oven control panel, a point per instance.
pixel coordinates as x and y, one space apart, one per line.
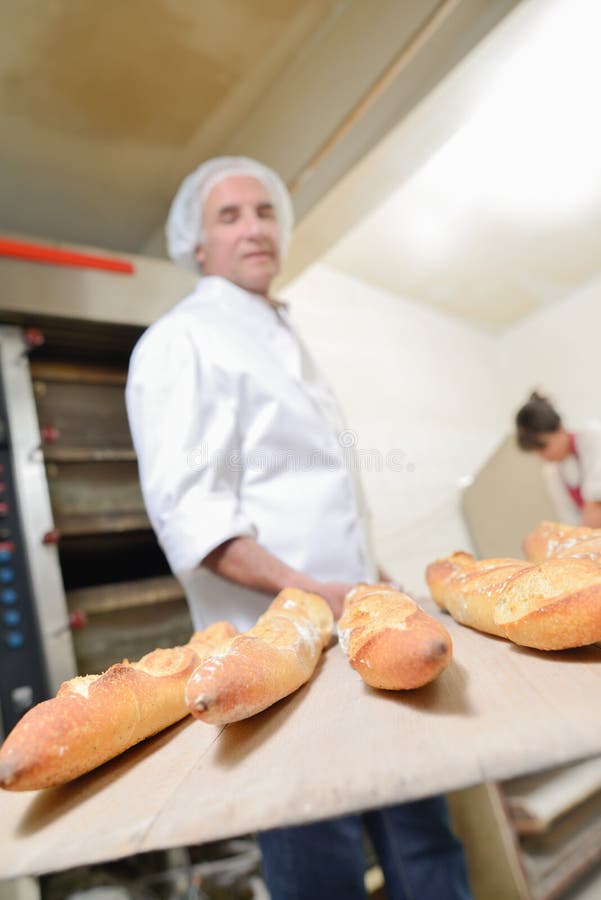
22 666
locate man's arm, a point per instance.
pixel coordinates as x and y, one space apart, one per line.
246 562
591 513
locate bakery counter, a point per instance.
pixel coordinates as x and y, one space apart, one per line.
333 747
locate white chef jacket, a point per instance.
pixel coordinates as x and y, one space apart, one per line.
583 472
237 433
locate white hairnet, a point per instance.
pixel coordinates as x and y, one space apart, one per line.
184 222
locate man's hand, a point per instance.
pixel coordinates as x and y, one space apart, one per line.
591 514
333 592
246 562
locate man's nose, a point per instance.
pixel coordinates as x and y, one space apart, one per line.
254 225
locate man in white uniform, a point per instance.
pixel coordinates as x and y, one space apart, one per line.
249 490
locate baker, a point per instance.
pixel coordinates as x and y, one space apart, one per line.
572 459
247 483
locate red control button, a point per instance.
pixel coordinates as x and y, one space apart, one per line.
78 618
50 434
34 338
3 509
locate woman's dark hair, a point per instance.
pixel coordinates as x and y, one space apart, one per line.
536 418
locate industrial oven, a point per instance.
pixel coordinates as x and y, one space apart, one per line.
37 652
83 582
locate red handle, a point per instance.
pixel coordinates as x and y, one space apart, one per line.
56 256
78 619
34 338
50 434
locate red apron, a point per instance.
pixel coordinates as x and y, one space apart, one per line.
574 491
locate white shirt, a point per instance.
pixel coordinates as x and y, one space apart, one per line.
236 433
584 472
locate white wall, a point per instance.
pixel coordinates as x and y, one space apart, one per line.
412 380
558 350
442 392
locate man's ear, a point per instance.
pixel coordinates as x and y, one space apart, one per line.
199 254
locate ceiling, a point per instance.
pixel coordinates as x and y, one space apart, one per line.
443 150
105 106
101 103
501 214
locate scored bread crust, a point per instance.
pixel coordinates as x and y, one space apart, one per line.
96 717
439 574
468 588
554 605
390 641
554 540
263 665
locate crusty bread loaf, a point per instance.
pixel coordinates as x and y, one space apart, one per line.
554 540
468 588
588 547
440 573
95 717
262 665
390 641
550 606
553 605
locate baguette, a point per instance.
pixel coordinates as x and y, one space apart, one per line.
390 641
553 540
96 717
268 662
440 573
468 588
554 605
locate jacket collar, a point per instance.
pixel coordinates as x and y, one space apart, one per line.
231 294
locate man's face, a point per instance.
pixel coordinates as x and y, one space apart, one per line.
240 234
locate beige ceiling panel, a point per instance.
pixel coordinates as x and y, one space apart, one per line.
103 107
98 103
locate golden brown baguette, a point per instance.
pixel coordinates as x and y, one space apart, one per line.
390 641
552 606
96 717
554 540
262 665
439 574
468 588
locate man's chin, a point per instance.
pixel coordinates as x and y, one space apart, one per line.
258 282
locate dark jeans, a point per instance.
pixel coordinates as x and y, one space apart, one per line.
419 855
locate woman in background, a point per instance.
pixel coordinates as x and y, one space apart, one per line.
573 460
